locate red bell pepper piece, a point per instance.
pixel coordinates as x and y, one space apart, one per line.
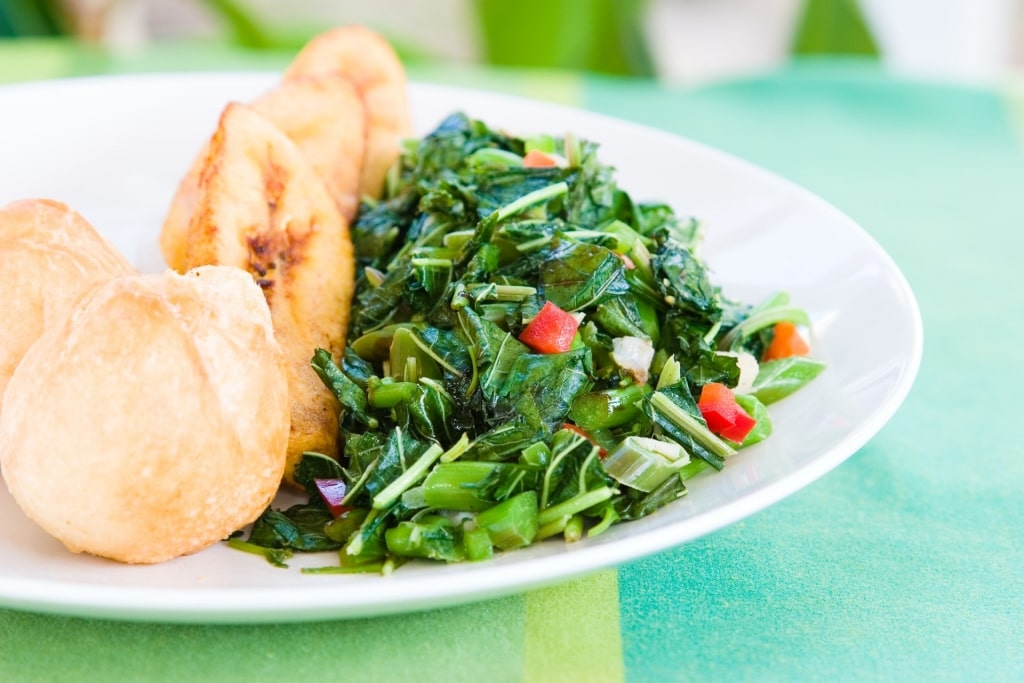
332 492
723 414
552 331
538 159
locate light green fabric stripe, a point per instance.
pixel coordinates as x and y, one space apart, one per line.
1014 96
572 632
473 643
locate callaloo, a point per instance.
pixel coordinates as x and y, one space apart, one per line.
531 353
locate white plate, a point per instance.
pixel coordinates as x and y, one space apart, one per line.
114 148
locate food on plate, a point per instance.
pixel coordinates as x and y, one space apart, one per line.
532 353
49 254
506 346
371 65
152 421
262 208
326 120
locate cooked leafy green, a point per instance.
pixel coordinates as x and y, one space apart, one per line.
458 437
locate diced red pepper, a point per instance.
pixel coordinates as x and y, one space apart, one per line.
538 159
739 430
786 342
332 492
723 414
552 331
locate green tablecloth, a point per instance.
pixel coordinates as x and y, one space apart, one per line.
905 563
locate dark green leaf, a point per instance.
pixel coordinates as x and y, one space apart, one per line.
300 527
576 275
348 393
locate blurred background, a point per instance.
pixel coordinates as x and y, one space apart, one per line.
677 41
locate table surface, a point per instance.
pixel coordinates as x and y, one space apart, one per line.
905 563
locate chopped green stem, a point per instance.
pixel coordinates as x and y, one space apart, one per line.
759 321
537 454
775 300
478 545
436 386
587 234
456 239
689 424
355 544
571 145
414 499
512 523
456 485
608 517
643 463
693 468
609 408
373 276
358 486
573 529
671 372
494 292
370 568
540 196
575 504
456 451
556 458
713 332
439 253
275 556
418 470
553 528
460 297
433 538
432 262
474 380
536 243
492 155
585 467
388 394
407 333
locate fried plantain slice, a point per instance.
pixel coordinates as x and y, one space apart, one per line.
371 65
261 207
326 119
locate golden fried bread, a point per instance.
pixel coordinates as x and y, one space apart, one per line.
48 255
324 117
371 65
262 208
164 422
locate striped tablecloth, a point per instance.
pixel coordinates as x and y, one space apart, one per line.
906 563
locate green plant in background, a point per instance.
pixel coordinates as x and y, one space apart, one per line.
245 29
833 27
31 18
594 35
605 36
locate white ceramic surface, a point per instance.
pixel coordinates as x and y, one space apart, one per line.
114 148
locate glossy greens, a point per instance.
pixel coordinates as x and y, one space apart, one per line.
459 440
